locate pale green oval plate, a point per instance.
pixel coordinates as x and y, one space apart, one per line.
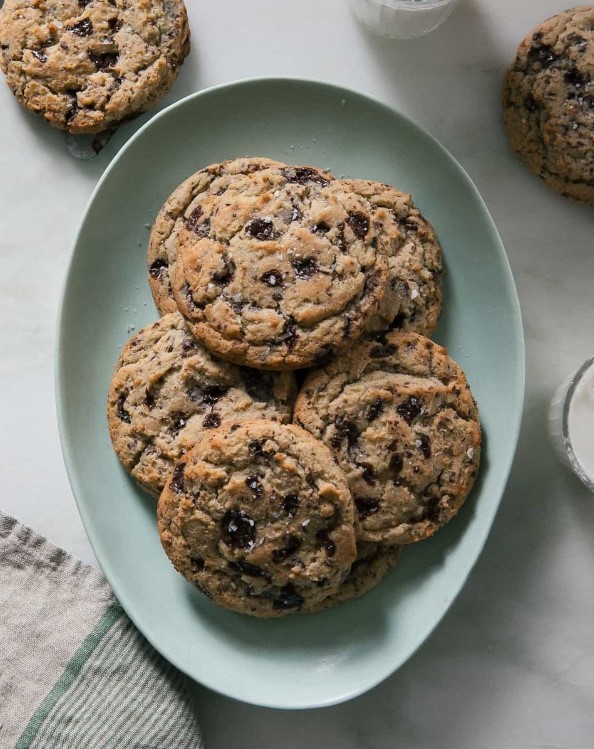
300 661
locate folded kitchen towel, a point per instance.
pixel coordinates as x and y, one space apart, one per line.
74 671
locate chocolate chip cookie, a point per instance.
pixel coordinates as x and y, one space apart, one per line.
259 517
372 564
412 298
168 391
281 269
548 103
179 206
400 418
86 65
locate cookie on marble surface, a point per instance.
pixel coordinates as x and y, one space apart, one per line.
372 564
167 391
401 420
259 517
162 247
86 65
412 299
282 269
548 103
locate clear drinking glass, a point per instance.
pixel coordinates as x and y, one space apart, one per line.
402 19
571 422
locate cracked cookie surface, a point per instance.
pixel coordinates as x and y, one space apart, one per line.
86 65
167 391
278 268
259 517
401 420
548 103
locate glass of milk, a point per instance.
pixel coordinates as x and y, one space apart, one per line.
571 422
402 19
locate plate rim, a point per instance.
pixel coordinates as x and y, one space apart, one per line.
517 344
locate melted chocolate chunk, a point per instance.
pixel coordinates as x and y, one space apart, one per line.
302 175
359 223
256 449
344 429
72 110
573 77
82 28
211 421
83 3
258 385
103 60
194 219
149 399
321 227
368 474
158 268
340 240
252 483
329 545
366 506
425 445
188 344
213 393
261 228
305 266
379 352
238 530
225 274
115 24
543 55
530 103
291 504
396 464
272 278
288 598
410 409
245 568
179 422
41 56
121 412
290 334
292 544
177 478
375 409
198 563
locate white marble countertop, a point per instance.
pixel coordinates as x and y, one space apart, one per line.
512 664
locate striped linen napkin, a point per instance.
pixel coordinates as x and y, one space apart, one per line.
74 671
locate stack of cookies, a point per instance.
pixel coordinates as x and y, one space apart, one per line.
289 408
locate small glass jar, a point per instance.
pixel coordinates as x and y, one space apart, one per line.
571 422
402 19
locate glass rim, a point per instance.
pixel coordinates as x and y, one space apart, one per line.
413 4
567 444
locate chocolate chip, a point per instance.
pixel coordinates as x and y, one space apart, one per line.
292 544
290 334
347 324
72 111
238 530
213 393
82 28
177 478
379 352
261 228
103 60
329 545
198 563
425 444
375 409
252 483
366 506
225 274
41 56
115 24
305 266
245 568
359 223
291 504
543 55
344 429
121 412
368 474
302 175
158 268
201 229
179 421
530 103
321 227
410 409
188 344
573 77
149 399
256 449
288 598
396 463
272 278
211 421
340 240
